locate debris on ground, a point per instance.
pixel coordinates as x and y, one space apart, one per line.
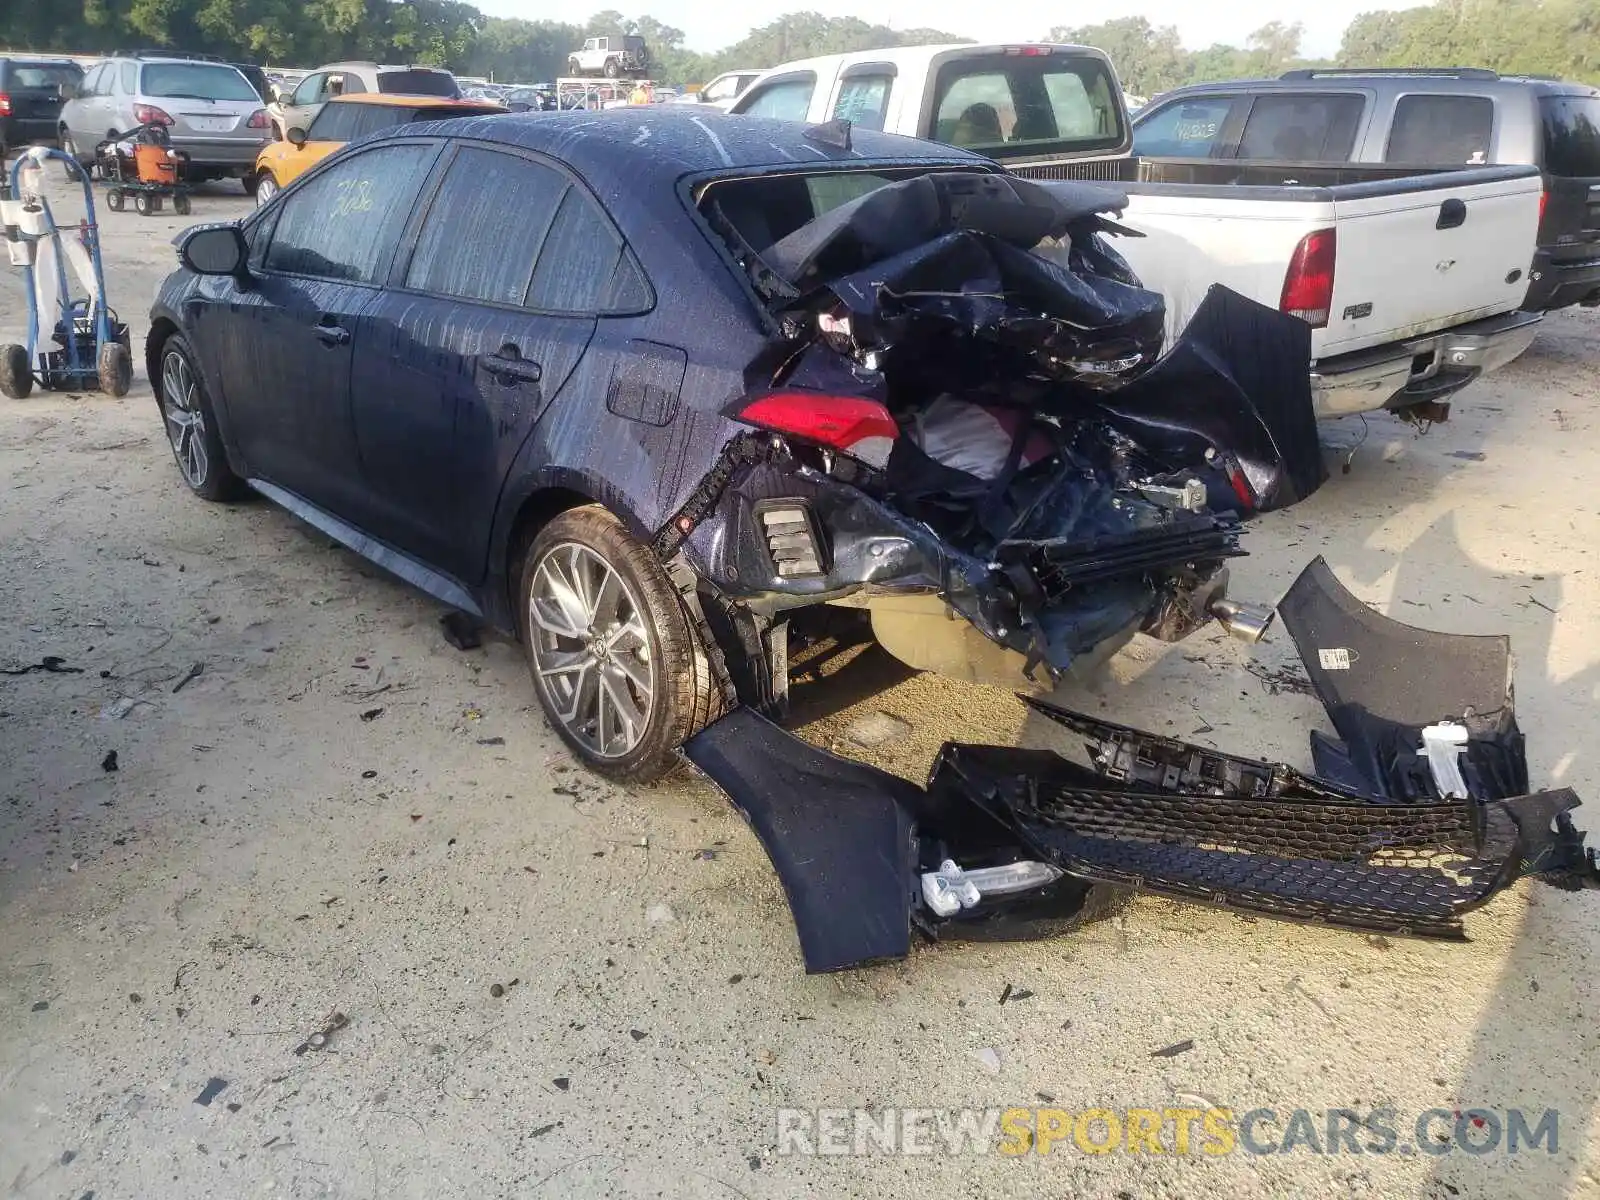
118 708
320 1039
211 1091
109 762
1011 995
638 1035
989 1059
1174 1050
492 741
658 914
1279 680
40 1006
372 714
189 677
49 663
562 1083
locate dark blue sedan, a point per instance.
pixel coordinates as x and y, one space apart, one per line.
582 378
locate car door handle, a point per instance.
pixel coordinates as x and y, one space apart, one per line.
1452 214
508 366
332 335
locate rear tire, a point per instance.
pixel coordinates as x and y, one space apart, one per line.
181 205
116 201
191 424
612 68
16 377
144 204
619 667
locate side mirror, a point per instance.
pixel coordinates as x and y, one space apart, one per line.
296 136
66 91
214 250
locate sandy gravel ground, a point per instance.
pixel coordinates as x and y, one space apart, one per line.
342 814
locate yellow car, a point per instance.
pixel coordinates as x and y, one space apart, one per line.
345 118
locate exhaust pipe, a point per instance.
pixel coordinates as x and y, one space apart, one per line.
1247 622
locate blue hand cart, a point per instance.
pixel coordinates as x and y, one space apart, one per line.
74 344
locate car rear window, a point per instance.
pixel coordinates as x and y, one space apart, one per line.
1571 135
42 75
195 81
1441 130
1302 128
1010 106
419 83
346 121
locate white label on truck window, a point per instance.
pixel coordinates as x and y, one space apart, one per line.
1334 660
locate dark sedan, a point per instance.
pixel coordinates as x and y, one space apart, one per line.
560 372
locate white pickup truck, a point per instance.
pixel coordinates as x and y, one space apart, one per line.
1411 285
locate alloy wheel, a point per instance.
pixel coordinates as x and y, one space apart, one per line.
591 649
186 423
266 189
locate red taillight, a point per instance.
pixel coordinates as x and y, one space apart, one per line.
1028 51
5 105
860 428
149 114
1544 197
259 120
1308 287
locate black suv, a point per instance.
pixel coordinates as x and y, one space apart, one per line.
1402 121
31 99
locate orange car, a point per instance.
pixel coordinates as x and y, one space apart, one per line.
345 118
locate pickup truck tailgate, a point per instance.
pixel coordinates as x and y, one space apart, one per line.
1429 252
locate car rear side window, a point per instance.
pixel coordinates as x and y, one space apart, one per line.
786 99
584 265
1571 135
1441 130
130 78
344 222
485 226
1185 129
1308 127
419 83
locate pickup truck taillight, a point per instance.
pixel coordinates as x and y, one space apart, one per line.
149 114
1308 285
852 425
5 105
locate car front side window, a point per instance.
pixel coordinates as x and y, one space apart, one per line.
344 222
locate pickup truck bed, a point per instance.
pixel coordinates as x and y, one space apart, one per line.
1411 284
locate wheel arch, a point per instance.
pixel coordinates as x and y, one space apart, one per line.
161 329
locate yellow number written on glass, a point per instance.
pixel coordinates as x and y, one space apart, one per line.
355 195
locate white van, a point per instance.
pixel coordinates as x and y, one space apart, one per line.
1018 104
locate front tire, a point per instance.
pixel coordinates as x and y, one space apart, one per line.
574 67
620 670
266 188
191 425
613 69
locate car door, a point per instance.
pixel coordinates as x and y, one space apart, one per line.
513 262
323 250
305 102
79 113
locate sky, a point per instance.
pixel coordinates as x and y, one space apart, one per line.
709 24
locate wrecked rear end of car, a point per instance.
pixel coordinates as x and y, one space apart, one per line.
1416 814
965 411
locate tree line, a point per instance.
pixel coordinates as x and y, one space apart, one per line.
1544 37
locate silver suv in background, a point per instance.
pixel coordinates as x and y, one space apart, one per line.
300 107
211 112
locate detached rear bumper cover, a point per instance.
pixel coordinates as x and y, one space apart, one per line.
1375 850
